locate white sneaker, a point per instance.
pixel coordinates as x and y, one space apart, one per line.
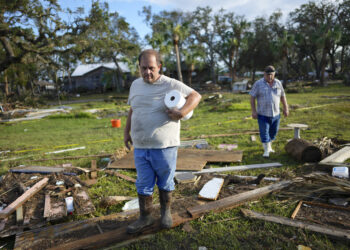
266 150
269 147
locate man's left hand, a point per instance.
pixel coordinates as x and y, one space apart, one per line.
285 112
174 114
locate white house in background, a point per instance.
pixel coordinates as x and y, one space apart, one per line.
99 76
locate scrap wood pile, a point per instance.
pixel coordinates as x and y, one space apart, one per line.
31 200
102 231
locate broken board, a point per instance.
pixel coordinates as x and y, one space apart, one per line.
211 189
187 159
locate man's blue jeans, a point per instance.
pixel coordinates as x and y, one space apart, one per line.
155 166
268 127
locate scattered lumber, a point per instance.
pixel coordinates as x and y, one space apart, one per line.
72 157
239 168
37 170
23 198
303 151
123 176
188 159
330 231
338 157
211 189
116 236
30 239
236 200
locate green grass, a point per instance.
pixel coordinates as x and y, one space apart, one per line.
324 116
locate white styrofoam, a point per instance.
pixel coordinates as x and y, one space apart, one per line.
342 172
211 189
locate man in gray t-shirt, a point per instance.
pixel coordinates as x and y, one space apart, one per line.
155 135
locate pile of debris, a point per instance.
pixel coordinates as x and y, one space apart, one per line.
30 198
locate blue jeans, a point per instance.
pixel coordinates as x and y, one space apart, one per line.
268 127
155 165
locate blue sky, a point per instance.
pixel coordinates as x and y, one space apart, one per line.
130 8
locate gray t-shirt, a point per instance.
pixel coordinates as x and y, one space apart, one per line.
151 126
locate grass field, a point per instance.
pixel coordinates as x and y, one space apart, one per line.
326 110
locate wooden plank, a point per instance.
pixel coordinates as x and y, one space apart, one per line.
116 236
123 176
311 203
236 200
85 205
330 231
71 157
338 157
239 168
19 214
296 210
47 207
93 172
112 200
188 159
29 239
36 169
28 215
58 210
23 198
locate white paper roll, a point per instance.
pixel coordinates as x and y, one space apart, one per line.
174 99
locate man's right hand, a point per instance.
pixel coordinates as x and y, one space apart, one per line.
254 114
127 140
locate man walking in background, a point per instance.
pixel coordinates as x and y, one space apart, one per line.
268 91
154 132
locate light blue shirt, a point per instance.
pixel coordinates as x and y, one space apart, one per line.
268 98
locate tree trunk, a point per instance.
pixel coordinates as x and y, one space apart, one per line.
284 72
332 59
323 67
342 59
254 70
178 63
6 84
190 74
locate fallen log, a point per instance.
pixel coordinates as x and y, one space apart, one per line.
330 231
236 200
23 198
303 150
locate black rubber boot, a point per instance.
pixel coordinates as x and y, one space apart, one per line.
145 219
165 202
